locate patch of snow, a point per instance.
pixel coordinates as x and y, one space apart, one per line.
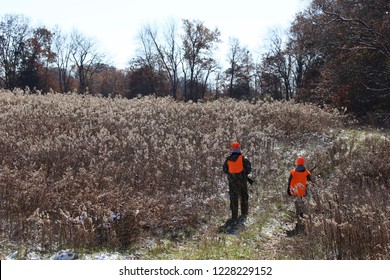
12 256
65 255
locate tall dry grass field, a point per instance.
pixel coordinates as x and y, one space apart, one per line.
351 212
91 172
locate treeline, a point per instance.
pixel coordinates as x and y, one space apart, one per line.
336 53
342 55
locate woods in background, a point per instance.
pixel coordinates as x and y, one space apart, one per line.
336 53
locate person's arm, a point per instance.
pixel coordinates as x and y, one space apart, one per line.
308 177
288 187
225 167
247 166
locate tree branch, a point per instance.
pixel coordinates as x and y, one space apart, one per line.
383 48
375 89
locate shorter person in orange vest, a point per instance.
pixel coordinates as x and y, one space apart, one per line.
237 168
297 186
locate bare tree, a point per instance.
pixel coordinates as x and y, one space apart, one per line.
86 57
239 73
147 71
199 44
279 62
63 50
14 32
169 51
234 56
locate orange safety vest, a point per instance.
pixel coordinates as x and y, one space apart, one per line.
298 182
237 166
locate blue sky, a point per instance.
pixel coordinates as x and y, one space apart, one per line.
115 23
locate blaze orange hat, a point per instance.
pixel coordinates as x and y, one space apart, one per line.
236 145
300 161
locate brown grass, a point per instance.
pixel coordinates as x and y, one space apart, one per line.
92 172
350 215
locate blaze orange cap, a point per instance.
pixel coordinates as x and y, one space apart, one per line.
300 161
236 145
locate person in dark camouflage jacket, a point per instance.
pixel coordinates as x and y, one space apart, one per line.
237 168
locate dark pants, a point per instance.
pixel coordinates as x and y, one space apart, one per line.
238 189
300 208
